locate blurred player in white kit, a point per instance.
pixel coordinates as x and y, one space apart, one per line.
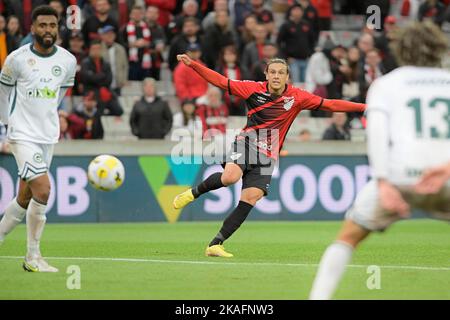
408 146
33 82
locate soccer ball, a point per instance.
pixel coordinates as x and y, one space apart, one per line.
106 173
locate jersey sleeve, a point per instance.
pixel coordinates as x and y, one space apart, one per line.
376 98
309 101
69 79
8 79
10 72
243 89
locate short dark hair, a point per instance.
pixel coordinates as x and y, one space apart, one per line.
43 10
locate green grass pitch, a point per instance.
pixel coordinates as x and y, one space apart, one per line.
273 260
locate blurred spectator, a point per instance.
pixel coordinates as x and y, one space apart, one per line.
304 135
96 75
350 89
258 71
159 40
296 42
13 28
312 16
100 19
382 43
338 130
116 55
70 129
151 117
210 18
372 69
253 51
216 38
188 83
165 10
76 47
212 112
246 35
318 73
136 37
180 43
339 68
190 10
187 120
432 10
64 31
229 67
86 119
365 43
240 9
22 10
263 15
325 11
6 42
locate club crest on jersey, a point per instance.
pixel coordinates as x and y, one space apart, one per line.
31 62
288 103
56 71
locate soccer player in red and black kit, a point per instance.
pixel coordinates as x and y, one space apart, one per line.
272 107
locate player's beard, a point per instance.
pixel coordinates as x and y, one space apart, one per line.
45 43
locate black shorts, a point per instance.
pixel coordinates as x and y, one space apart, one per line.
257 168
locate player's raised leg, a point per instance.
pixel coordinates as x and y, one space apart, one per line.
335 259
15 211
40 189
231 174
249 197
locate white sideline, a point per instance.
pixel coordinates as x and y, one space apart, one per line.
226 263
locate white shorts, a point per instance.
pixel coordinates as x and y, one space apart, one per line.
33 159
367 212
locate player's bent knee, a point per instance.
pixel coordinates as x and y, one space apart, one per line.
228 179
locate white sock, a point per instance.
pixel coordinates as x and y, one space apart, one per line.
14 214
35 226
331 268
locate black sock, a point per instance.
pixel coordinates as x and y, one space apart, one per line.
232 222
213 182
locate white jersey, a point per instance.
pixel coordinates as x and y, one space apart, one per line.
416 105
37 81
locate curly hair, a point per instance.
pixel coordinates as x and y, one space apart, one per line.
420 44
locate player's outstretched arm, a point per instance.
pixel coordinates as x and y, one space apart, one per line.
209 75
342 106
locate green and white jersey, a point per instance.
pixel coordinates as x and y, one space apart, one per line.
408 123
37 83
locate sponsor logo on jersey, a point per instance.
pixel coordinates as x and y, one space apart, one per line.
263 144
234 156
37 157
56 71
44 93
288 103
31 62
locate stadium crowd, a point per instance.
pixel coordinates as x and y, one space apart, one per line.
121 41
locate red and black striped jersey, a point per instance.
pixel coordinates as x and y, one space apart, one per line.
269 117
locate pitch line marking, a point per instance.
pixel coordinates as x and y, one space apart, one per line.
226 263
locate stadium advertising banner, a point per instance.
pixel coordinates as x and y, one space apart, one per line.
302 188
